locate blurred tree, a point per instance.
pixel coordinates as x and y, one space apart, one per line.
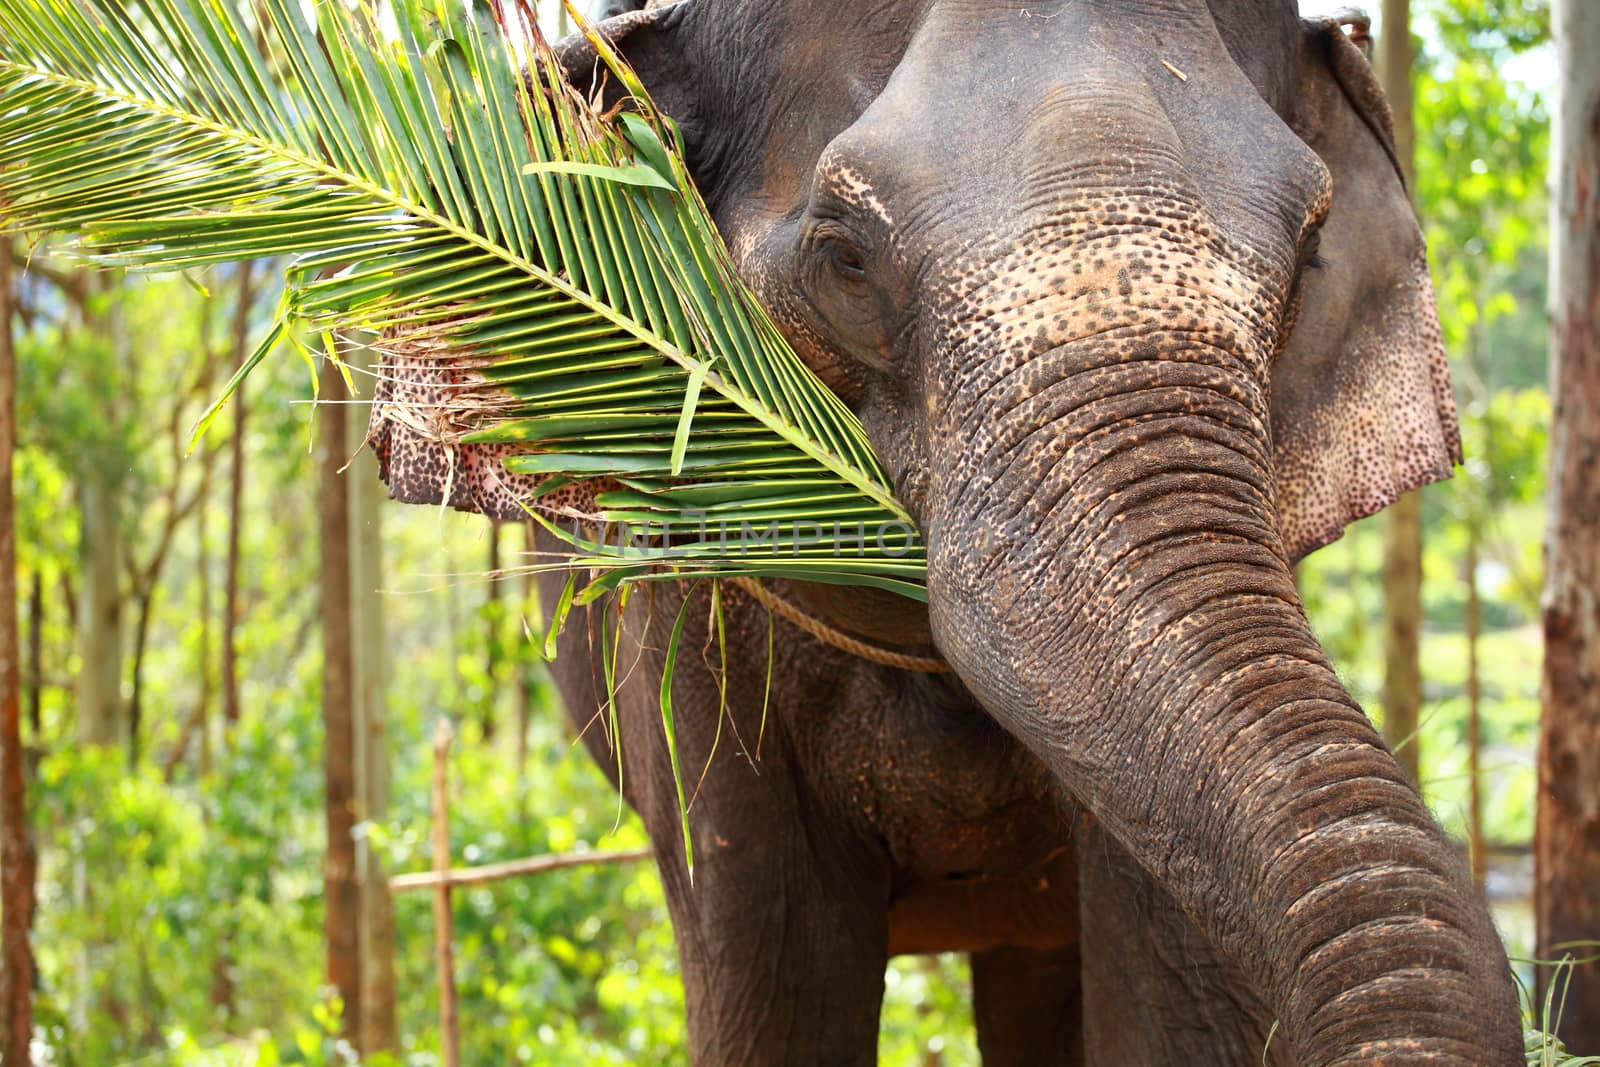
231 611
99 481
74 399
174 506
525 676
1567 840
197 726
1402 553
494 630
1480 151
16 846
341 897
199 722
33 679
368 502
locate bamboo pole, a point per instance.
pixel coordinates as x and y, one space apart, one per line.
443 919
494 872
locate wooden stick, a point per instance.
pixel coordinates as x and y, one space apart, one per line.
443 919
494 872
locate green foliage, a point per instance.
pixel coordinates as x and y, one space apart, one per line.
1490 29
430 192
576 966
1543 1017
224 867
85 436
1480 150
145 910
927 1013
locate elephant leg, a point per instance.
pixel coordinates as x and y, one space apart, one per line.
1028 1007
782 931
1155 991
781 968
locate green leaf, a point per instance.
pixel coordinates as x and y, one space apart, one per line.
691 397
604 584
558 617
630 175
670 728
558 264
267 344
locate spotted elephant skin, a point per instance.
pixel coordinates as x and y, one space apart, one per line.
1129 297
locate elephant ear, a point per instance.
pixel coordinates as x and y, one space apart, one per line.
649 35
1362 409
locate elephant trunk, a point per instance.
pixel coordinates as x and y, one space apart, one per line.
1259 794
1121 503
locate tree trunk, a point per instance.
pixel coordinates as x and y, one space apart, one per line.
16 850
101 721
222 983
443 918
494 619
1395 61
1402 672
198 721
1567 831
222 991
100 718
230 580
1356 577
69 597
525 679
1474 627
367 500
208 682
144 604
341 889
36 654
1402 548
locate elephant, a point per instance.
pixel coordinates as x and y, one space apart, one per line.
1130 298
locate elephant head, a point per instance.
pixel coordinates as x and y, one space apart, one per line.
1131 300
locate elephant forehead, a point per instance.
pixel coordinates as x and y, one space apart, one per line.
988 126
849 188
1120 267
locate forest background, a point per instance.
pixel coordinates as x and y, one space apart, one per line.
172 660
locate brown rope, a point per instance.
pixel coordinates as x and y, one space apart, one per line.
838 638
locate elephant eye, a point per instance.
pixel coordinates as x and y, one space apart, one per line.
852 310
833 245
1310 255
847 259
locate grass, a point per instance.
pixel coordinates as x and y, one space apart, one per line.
1542 1018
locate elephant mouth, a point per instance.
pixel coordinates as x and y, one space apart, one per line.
426 404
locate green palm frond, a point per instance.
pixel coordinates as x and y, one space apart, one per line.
430 191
